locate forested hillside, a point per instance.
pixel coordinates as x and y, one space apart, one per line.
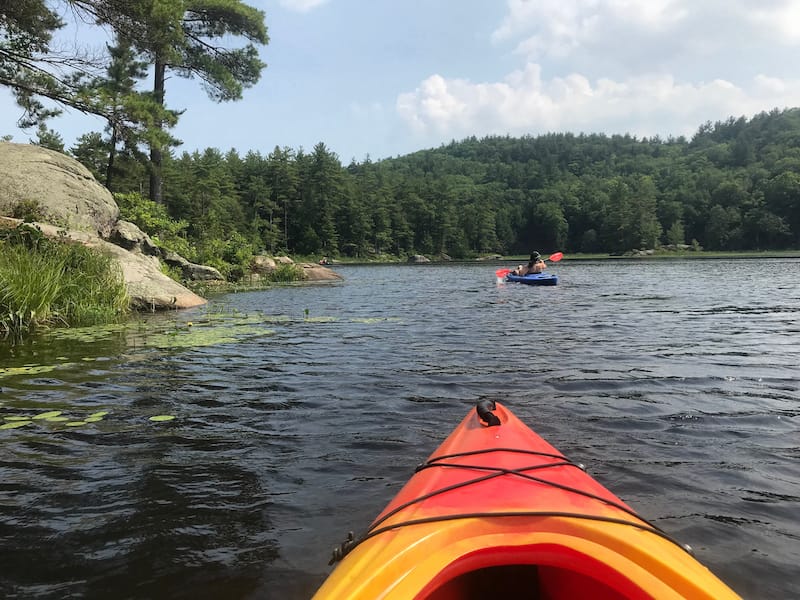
734 185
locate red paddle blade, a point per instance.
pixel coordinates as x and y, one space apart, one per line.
556 257
502 272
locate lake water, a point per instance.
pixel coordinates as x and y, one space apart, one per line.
300 411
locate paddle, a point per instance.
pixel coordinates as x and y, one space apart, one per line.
552 258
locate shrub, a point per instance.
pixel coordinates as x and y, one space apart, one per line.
28 210
154 220
285 273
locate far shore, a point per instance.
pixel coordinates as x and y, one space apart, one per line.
496 259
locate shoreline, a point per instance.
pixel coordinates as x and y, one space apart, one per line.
498 260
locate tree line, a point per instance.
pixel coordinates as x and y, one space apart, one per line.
734 186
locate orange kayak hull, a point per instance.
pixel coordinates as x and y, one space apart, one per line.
496 511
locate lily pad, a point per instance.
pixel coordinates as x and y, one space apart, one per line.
75 423
48 415
161 418
27 370
56 419
93 419
14 424
17 418
99 414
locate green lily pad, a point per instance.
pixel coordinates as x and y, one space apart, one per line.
93 419
75 423
48 415
16 418
14 424
99 414
27 370
56 419
161 418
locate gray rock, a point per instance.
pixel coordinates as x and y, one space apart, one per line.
312 272
130 237
147 286
66 192
190 270
263 264
197 272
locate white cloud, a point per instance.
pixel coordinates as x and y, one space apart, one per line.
559 27
643 67
524 102
625 29
782 18
302 5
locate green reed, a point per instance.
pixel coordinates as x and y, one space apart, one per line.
46 282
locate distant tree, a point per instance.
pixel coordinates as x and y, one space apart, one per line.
130 114
283 181
589 241
676 234
192 38
321 199
47 138
552 225
782 196
766 229
722 229
257 198
91 150
645 228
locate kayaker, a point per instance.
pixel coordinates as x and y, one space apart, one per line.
535 265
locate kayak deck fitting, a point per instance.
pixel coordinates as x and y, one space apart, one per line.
534 279
497 512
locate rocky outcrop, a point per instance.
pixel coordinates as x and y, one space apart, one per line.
190 270
65 192
264 265
418 259
130 237
69 203
312 272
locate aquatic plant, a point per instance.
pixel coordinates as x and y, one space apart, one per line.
46 282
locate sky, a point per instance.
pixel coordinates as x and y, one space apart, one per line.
384 78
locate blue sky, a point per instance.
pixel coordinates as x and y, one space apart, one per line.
383 78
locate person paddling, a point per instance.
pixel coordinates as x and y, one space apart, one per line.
535 265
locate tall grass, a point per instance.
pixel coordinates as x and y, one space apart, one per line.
285 273
45 283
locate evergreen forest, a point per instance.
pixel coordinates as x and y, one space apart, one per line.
734 186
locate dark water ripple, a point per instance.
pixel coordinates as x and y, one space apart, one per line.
674 382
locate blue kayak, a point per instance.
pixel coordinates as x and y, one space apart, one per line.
534 278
